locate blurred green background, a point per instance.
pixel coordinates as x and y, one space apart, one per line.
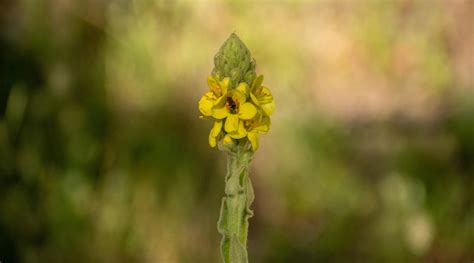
103 157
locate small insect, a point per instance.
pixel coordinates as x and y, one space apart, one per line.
232 105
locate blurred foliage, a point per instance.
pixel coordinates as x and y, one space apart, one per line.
103 158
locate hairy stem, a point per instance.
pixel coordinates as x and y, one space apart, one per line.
235 208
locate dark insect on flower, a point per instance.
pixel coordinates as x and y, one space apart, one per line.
232 105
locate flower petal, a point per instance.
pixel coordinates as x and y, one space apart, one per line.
205 105
254 99
240 133
212 140
214 86
220 102
211 81
238 96
266 91
265 96
227 141
243 87
269 108
253 138
263 126
225 85
231 123
220 113
247 111
216 129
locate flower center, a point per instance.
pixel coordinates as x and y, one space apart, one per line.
232 105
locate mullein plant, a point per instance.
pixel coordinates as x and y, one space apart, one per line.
240 108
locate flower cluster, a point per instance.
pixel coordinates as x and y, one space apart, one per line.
239 113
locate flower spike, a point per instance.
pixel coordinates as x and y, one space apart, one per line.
240 107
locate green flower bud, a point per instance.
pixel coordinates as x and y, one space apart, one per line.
234 61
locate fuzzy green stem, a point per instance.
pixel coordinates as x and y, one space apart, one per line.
235 208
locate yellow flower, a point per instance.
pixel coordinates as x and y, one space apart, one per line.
261 96
218 89
260 124
238 113
234 108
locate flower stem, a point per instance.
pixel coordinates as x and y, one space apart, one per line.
235 208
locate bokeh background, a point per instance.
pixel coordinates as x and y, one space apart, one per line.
103 157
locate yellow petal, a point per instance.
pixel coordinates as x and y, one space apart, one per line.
212 140
240 133
269 108
227 141
266 91
211 81
205 106
263 126
231 123
265 96
243 87
238 96
253 138
247 111
216 129
220 113
254 99
220 102
214 86
225 85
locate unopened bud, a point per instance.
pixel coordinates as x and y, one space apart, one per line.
234 61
